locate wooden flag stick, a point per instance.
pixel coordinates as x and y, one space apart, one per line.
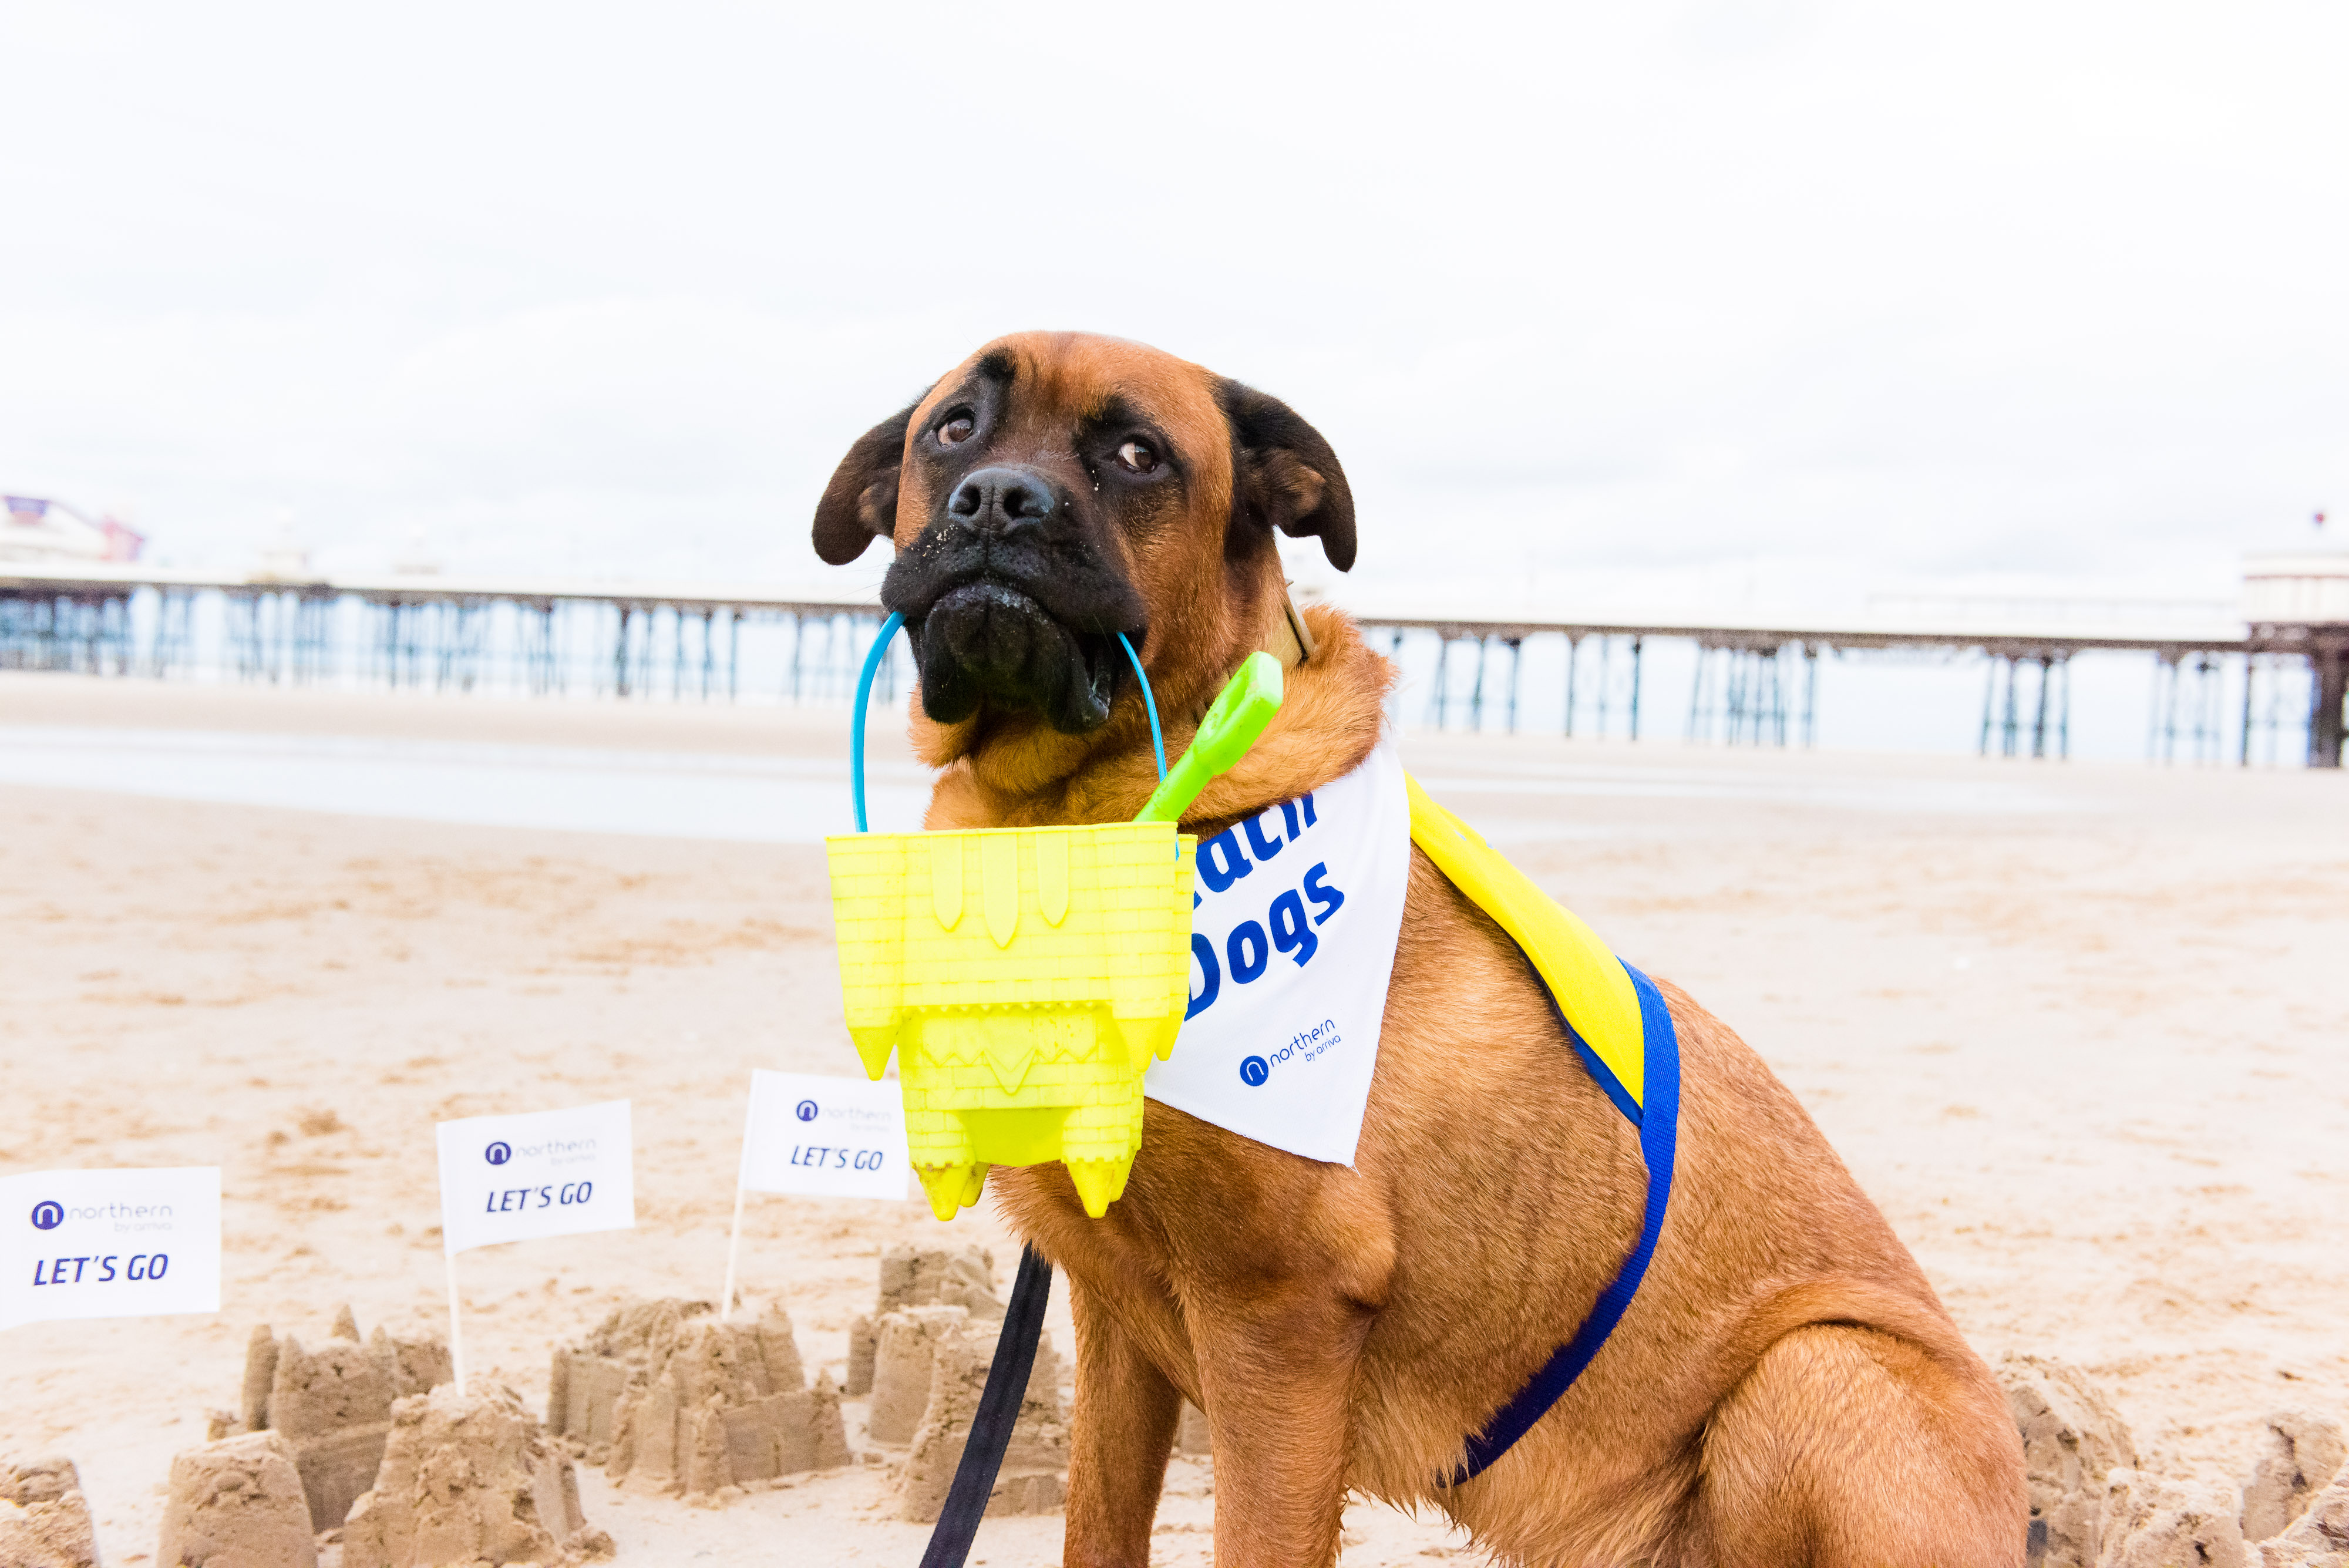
734 1240
456 1329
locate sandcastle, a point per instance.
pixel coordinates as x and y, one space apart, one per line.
669 1400
922 1357
372 1440
2072 1439
2092 1507
332 1404
1034 1477
237 1503
43 1518
922 1276
2298 1454
469 1477
905 1356
2319 1538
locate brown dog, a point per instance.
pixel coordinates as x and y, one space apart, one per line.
1784 1388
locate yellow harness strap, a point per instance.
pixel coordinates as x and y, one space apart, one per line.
1591 987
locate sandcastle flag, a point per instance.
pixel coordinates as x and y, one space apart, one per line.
806 1133
834 1137
539 1173
110 1243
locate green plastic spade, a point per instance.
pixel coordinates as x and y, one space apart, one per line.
1241 711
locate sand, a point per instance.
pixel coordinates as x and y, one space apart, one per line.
2075 1027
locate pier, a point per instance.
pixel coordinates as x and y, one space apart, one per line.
2220 684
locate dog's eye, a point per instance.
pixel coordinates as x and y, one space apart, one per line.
1137 456
957 430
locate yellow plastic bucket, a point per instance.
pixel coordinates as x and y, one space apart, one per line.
1026 978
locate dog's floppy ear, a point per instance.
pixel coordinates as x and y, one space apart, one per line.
1284 475
860 504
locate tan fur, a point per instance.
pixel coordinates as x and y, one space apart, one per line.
1784 1389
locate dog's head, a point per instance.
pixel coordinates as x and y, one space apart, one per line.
1056 489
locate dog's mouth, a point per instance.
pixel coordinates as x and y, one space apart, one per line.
986 641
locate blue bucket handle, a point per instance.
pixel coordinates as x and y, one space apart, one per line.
865 696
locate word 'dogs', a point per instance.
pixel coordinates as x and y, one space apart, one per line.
110 1243
536 1173
837 1137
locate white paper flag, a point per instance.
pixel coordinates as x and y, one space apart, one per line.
839 1137
110 1243
540 1173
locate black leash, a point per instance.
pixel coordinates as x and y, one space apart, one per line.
999 1411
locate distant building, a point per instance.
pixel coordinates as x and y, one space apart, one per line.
2298 602
2297 588
40 530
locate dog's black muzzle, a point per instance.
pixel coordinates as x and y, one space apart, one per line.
1012 605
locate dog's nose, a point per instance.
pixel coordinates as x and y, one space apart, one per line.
1002 499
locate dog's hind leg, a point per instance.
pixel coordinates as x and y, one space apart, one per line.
1122 1431
1847 1447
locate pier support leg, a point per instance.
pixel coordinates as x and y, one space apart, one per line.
1606 651
1573 652
1699 710
2169 710
1990 699
1439 698
2039 724
2008 732
1635 686
2251 679
1516 657
1476 689
2063 720
1810 694
2328 666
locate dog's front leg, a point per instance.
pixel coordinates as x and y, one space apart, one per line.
1277 1372
1121 1434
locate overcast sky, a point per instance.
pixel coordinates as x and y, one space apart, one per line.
1595 302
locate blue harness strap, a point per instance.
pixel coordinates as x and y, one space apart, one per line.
1659 1123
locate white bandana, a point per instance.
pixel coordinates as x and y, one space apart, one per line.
1292 944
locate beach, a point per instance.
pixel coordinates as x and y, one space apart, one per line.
2075 1027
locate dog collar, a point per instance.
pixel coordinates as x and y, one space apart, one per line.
1287 638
